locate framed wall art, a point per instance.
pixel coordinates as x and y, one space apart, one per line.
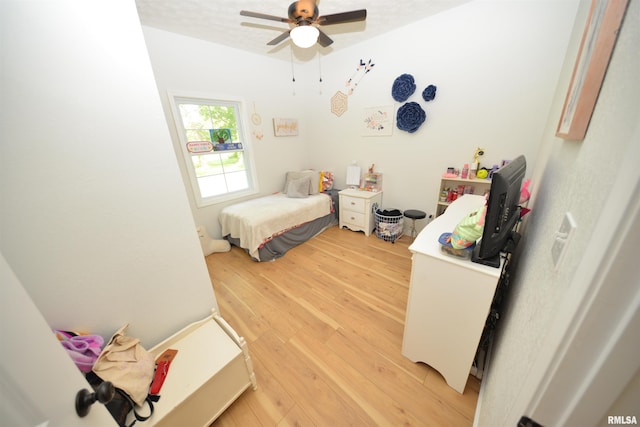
596 46
285 127
377 121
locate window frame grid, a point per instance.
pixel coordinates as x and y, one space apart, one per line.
178 98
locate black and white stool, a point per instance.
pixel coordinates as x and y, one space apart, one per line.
413 215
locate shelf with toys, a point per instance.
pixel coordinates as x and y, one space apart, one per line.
452 188
471 180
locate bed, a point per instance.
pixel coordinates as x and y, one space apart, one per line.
267 227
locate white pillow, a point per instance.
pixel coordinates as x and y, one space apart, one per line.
314 180
298 188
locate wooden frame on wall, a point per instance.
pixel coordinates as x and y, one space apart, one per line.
596 47
285 127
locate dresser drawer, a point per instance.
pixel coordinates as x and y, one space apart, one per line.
354 204
354 218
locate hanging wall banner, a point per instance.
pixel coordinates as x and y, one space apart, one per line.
196 147
228 147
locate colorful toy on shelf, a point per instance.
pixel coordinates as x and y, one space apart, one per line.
473 171
372 180
477 154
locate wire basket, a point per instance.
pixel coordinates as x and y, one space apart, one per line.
389 227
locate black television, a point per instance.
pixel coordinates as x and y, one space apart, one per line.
503 213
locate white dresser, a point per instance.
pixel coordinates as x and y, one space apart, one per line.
356 209
449 300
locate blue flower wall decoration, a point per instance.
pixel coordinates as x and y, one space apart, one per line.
403 87
429 93
410 117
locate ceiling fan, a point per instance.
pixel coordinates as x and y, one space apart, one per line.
304 16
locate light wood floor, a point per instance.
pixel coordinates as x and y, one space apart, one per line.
324 327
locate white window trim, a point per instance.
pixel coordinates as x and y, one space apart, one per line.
186 157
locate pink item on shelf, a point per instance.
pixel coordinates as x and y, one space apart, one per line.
524 193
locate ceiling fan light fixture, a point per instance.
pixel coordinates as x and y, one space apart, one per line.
304 36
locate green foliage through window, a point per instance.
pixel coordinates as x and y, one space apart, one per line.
214 143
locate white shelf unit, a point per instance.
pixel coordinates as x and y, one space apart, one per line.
480 187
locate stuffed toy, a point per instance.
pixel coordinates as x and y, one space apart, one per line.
469 229
210 245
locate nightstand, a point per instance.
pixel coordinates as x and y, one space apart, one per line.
356 209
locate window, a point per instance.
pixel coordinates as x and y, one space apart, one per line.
214 148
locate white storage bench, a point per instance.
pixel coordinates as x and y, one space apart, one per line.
210 371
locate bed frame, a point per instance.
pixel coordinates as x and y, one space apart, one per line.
279 245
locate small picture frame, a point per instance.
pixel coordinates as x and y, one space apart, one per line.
377 121
285 127
220 136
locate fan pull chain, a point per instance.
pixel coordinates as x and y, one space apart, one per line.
293 76
320 73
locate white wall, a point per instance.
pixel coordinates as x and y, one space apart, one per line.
495 64
576 177
187 65
95 221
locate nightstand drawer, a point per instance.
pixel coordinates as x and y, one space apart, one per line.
355 218
354 204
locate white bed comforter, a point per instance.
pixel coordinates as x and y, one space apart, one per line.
257 221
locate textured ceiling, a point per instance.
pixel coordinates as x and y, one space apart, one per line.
219 21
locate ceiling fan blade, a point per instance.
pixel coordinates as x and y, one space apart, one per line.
265 16
323 39
339 18
280 38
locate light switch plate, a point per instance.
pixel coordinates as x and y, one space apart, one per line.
562 238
